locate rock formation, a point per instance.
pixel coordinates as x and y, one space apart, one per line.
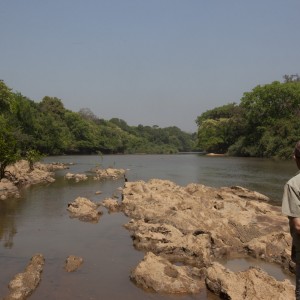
84 209
20 174
23 284
158 274
73 263
109 173
196 224
251 284
112 205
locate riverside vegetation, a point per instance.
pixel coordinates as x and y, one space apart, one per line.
28 129
264 124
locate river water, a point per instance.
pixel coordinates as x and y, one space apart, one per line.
38 222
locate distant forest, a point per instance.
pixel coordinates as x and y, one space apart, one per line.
266 123
49 128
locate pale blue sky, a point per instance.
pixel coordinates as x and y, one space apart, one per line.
150 62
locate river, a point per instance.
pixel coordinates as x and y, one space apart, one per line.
38 222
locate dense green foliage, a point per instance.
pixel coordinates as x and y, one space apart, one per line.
266 123
29 129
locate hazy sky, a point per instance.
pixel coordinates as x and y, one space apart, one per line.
150 62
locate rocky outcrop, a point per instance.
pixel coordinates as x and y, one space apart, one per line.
85 210
196 224
76 177
73 263
20 174
8 189
109 173
23 284
158 274
112 205
251 284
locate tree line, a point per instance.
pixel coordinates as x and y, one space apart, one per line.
266 123
29 129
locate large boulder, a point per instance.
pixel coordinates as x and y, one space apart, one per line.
251 284
157 274
23 284
84 209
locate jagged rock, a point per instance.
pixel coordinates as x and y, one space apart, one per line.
193 248
8 189
23 284
73 263
111 204
84 209
251 284
197 224
76 177
20 173
109 173
158 274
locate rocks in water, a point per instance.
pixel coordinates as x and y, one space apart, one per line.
253 283
23 284
111 204
8 189
197 224
76 177
158 274
21 174
73 263
84 209
109 173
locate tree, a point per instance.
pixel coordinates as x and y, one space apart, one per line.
6 97
9 152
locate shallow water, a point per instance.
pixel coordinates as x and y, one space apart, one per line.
39 221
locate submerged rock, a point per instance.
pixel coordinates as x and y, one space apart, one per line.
76 177
84 209
23 284
197 224
73 263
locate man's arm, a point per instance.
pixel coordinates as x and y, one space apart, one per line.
295 224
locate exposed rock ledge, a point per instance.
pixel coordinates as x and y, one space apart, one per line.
20 174
197 224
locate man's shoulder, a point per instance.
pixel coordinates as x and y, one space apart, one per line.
295 180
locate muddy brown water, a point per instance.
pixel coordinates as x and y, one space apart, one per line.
40 223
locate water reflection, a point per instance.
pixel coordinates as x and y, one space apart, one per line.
8 227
